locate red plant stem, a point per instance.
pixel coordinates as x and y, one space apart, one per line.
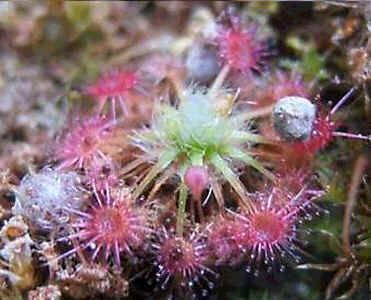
351 135
342 101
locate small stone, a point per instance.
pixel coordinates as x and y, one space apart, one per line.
293 118
202 63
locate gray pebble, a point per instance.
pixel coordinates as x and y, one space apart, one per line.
293 118
202 63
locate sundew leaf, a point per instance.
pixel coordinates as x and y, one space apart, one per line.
249 160
164 161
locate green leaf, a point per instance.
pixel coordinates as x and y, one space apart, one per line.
250 161
165 160
222 166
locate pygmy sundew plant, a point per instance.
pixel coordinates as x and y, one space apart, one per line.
84 143
182 259
111 226
224 241
113 87
267 233
239 46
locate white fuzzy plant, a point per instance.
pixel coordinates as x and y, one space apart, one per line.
202 130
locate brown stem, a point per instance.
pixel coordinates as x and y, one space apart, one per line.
160 182
181 214
198 205
217 190
359 168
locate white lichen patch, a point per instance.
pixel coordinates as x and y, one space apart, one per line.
44 198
